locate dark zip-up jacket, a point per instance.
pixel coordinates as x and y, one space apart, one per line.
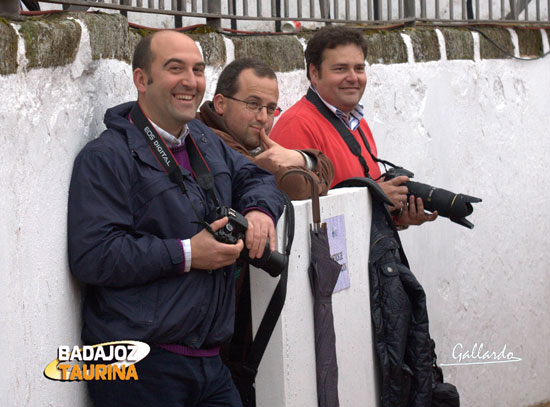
399 318
125 222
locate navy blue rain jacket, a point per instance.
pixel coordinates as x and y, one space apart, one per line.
125 220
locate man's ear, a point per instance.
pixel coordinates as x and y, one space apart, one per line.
313 75
140 80
219 104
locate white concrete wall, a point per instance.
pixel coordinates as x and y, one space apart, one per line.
287 375
476 127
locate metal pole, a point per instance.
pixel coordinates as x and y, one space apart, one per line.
233 11
369 10
214 7
9 8
400 9
278 14
323 6
178 20
469 10
409 9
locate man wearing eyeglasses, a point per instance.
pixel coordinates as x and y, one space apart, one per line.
242 114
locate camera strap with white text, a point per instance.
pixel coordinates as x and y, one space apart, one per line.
168 162
205 179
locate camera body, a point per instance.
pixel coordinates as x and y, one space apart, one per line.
271 261
448 204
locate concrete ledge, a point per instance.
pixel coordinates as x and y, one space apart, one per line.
282 53
58 44
386 47
8 48
213 48
53 40
425 44
109 35
501 37
459 43
530 42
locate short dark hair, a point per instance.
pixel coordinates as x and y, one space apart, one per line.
330 37
229 78
143 56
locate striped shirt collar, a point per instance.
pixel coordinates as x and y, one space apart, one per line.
171 140
355 115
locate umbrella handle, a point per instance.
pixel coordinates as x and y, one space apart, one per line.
315 206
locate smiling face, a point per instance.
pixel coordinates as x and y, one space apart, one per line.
242 123
341 79
171 92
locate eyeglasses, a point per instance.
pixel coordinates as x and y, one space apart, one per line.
255 107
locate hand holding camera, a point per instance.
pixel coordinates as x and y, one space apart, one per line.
207 254
446 203
271 261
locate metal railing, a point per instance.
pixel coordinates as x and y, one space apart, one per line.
323 11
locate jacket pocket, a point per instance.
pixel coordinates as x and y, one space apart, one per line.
136 304
152 188
222 180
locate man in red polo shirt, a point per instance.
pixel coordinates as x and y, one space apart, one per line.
335 59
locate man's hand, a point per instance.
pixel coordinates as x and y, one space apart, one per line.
279 155
413 214
396 191
209 254
260 227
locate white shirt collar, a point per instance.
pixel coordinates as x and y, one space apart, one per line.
170 139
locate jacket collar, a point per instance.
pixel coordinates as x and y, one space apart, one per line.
117 119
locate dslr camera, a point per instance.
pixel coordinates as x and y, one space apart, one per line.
271 261
448 204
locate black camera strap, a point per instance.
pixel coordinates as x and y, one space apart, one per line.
169 164
345 133
205 179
